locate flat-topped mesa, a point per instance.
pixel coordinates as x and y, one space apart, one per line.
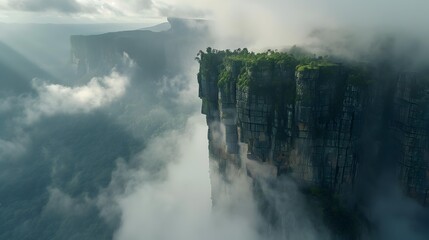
305 116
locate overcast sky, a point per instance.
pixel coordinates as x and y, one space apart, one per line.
261 23
98 11
78 11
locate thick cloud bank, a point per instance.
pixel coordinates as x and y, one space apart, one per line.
177 204
54 99
58 151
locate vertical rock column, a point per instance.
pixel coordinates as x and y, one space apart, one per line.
411 128
255 114
302 164
208 92
325 112
228 114
283 124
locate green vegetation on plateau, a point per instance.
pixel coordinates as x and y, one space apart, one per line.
315 65
240 64
359 76
247 69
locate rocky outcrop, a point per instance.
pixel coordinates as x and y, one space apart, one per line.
313 119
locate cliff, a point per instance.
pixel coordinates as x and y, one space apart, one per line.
333 126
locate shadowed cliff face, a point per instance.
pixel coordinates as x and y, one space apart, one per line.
334 127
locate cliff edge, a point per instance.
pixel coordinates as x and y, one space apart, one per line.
333 126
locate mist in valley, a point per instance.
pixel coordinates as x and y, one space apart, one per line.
119 150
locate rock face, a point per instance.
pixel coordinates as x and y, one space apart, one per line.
315 119
410 132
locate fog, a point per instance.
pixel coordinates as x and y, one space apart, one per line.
105 158
177 204
277 23
110 157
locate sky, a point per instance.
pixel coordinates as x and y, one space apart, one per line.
378 12
75 11
94 11
260 24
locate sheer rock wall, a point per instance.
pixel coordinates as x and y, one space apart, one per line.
311 122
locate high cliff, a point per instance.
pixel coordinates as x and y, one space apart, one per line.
333 126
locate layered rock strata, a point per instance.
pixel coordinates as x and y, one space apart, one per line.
308 118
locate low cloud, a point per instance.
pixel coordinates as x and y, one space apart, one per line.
176 203
19 112
62 203
11 149
58 99
283 23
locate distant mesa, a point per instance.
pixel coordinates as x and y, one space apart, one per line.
155 49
